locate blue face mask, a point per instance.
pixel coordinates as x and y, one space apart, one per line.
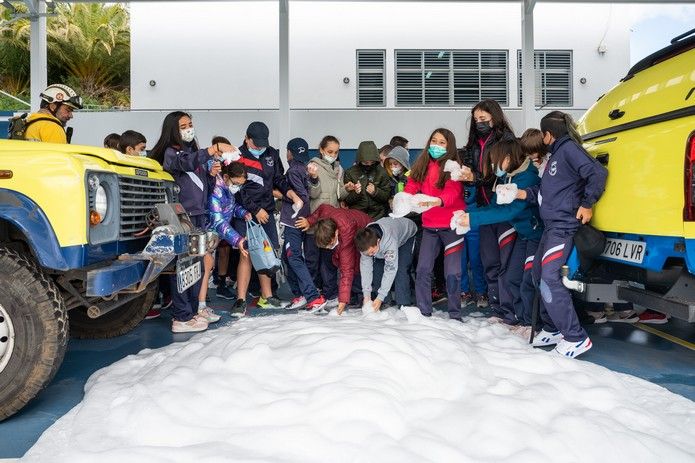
500 173
257 152
436 151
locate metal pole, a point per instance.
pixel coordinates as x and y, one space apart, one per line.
528 74
38 53
284 48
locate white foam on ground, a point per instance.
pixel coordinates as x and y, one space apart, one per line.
386 387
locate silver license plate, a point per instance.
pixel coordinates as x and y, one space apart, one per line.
188 272
625 250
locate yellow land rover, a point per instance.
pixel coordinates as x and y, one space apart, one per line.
643 131
84 234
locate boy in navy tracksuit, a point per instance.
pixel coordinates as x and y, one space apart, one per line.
516 289
298 276
572 183
264 173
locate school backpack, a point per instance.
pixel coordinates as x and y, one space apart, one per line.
19 125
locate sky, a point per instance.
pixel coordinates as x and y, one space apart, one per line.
655 26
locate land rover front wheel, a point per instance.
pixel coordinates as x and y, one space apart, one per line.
33 331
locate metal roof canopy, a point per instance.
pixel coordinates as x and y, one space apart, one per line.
39 62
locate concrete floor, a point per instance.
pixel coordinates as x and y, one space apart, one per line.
618 346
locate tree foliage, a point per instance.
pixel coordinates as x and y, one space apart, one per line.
88 49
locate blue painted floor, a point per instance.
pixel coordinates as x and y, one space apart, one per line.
618 346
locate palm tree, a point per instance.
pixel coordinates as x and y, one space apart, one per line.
91 43
14 53
88 48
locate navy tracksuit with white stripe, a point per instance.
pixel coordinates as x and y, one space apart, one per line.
571 179
519 229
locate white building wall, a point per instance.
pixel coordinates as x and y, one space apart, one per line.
223 56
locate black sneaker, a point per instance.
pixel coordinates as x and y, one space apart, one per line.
239 308
225 293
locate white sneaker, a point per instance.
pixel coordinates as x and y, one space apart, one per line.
209 315
572 349
546 338
297 303
193 325
331 304
622 316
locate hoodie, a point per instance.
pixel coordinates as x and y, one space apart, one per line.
345 256
375 205
264 173
572 178
189 169
522 215
401 155
328 188
298 181
451 195
222 209
395 232
476 157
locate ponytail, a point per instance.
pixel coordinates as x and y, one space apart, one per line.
560 124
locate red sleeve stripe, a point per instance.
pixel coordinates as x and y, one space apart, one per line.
251 163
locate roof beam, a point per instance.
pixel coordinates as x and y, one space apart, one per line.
406 1
38 53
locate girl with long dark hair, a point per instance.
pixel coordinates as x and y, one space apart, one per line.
427 176
194 171
488 127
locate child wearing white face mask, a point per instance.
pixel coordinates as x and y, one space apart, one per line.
397 165
179 154
223 208
132 143
325 187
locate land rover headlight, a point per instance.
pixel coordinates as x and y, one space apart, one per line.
101 204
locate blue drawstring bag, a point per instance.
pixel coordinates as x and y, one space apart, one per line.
263 257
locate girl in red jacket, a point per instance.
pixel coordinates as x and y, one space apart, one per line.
428 177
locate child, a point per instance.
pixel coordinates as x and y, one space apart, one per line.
325 187
226 258
223 208
516 290
386 248
488 126
111 141
383 153
178 153
298 276
571 185
470 257
132 143
398 140
397 166
428 176
532 144
265 173
335 229
367 183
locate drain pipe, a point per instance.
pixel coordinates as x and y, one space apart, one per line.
574 285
